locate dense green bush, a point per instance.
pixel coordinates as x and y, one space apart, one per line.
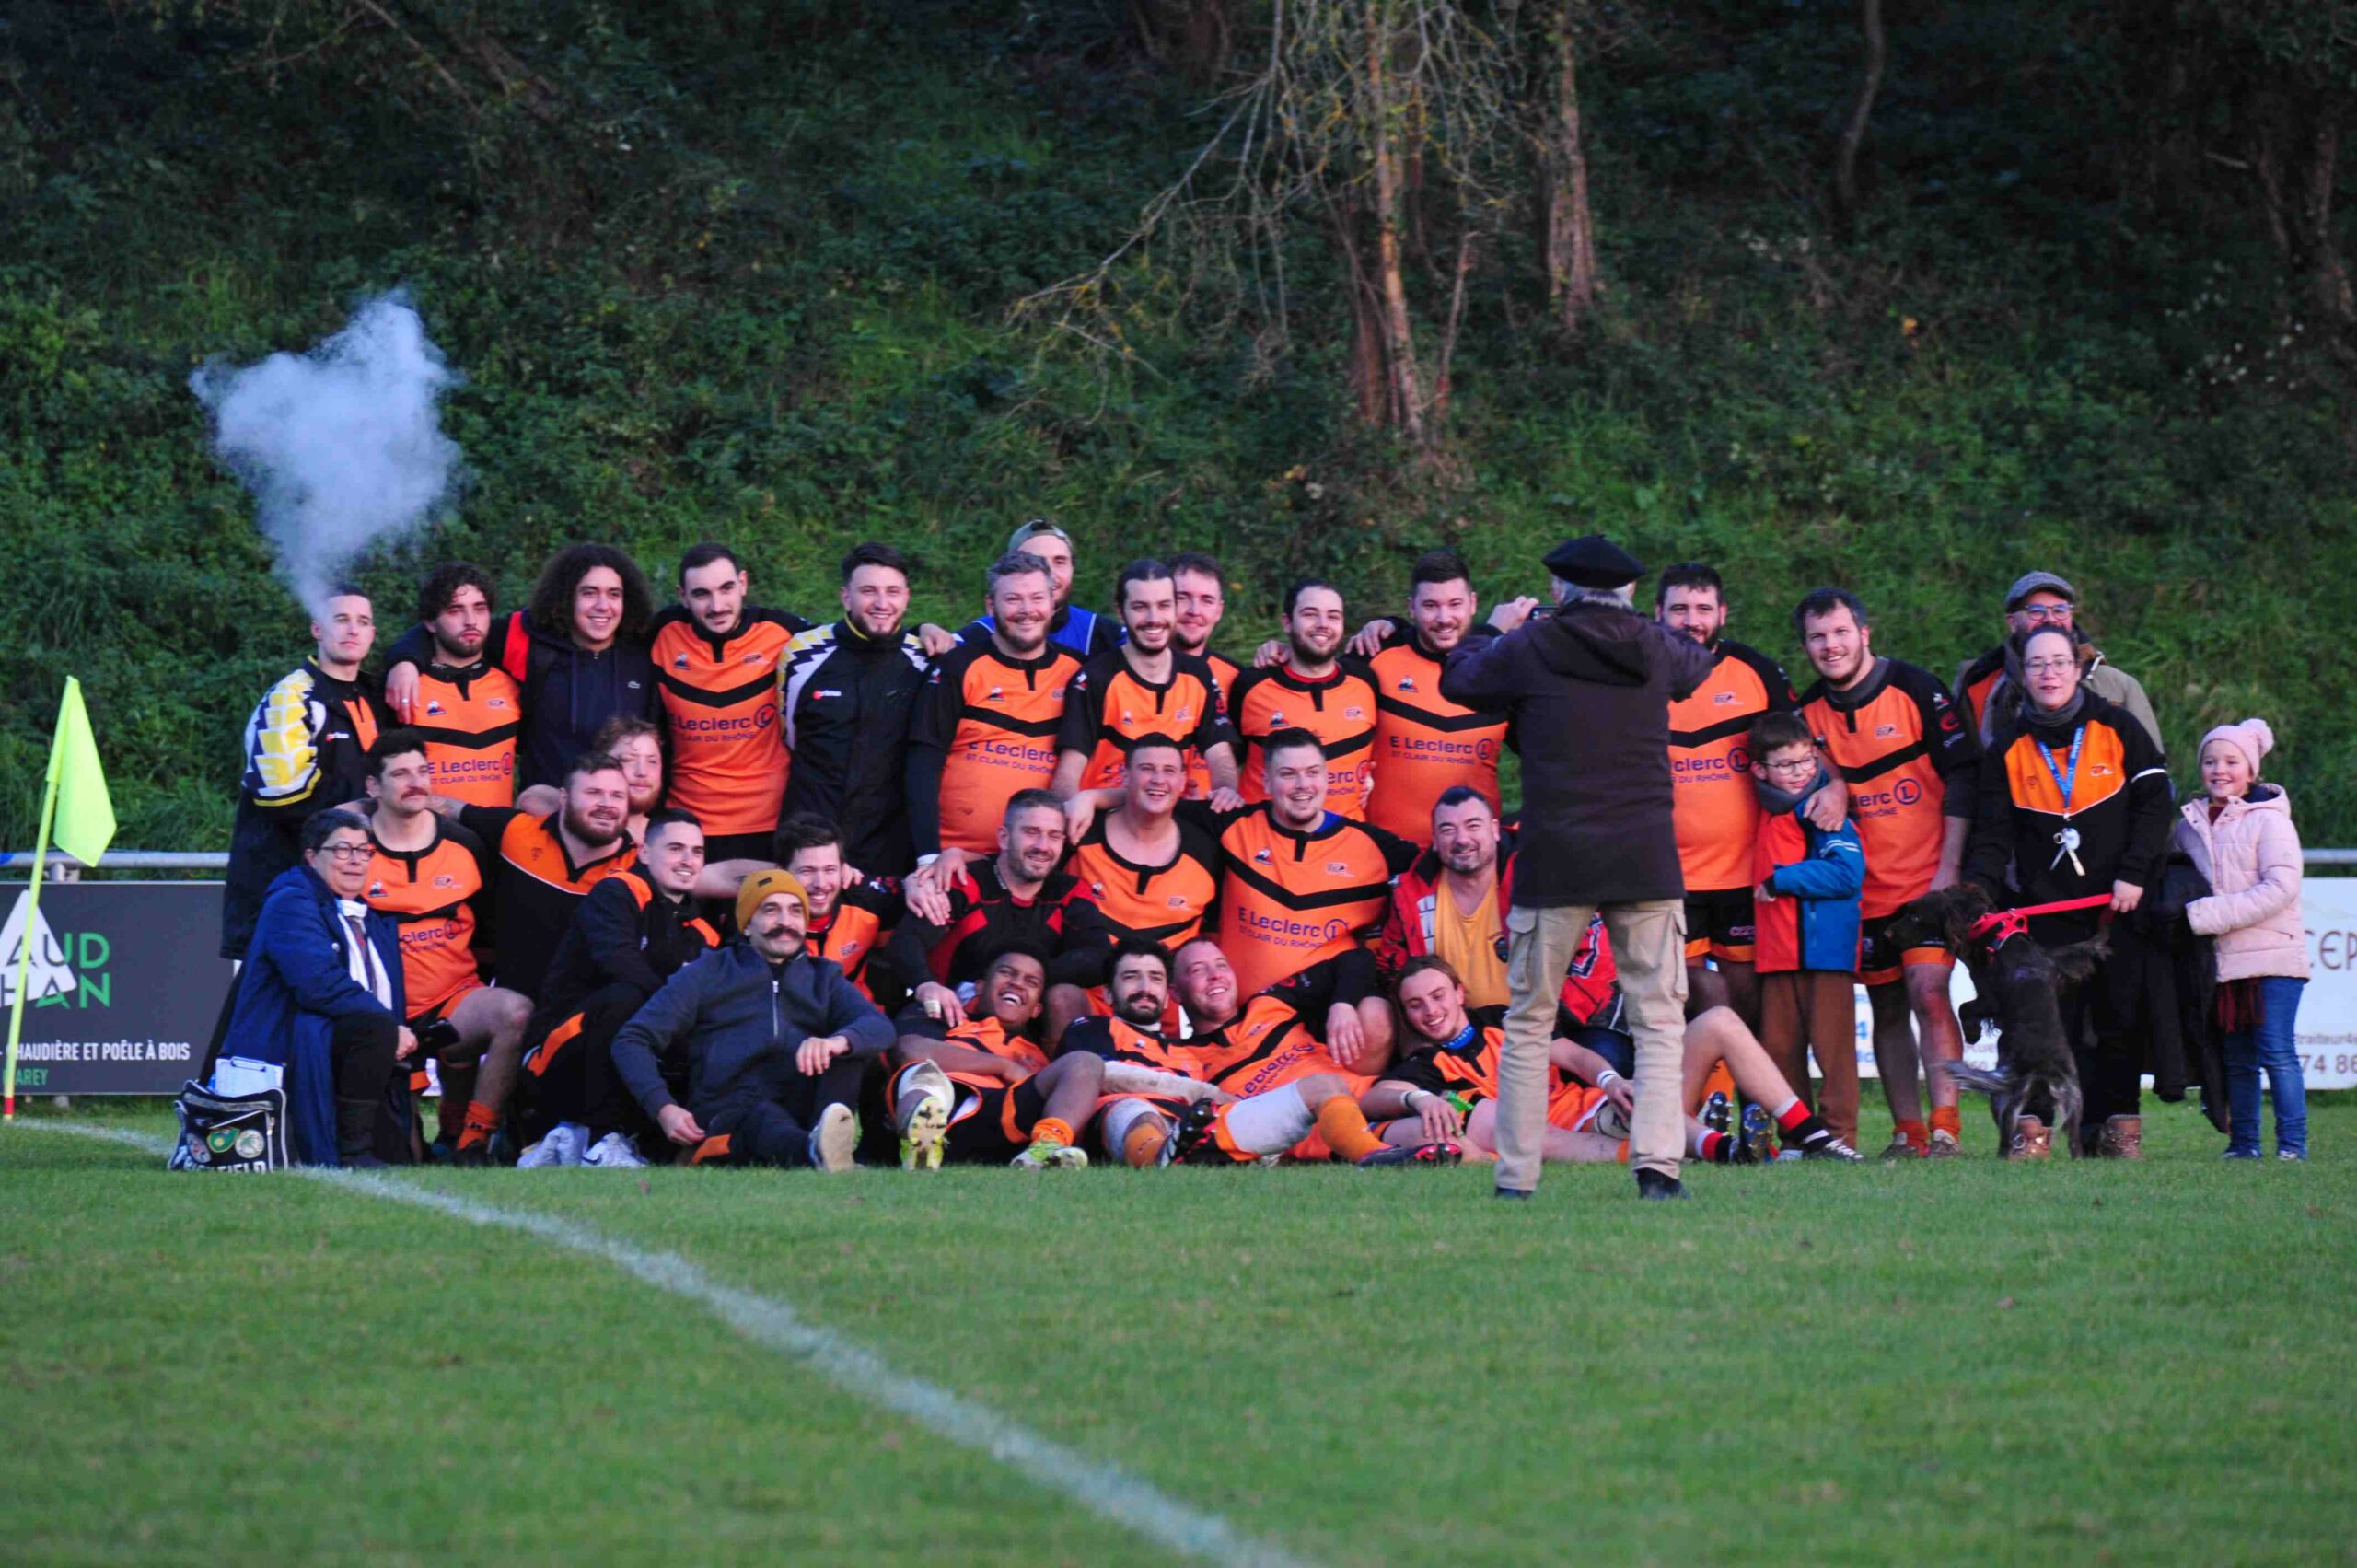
743 271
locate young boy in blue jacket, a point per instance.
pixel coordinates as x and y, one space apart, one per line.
1806 904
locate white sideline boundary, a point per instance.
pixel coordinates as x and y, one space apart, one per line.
1104 1490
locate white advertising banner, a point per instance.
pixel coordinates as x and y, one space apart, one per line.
2327 1027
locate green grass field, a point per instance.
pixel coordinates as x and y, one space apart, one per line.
2074 1362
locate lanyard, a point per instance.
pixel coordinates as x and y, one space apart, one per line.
2065 785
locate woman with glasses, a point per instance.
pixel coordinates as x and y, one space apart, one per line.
2074 803
320 998
1988 687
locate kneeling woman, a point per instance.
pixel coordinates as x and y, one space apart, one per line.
320 997
2074 803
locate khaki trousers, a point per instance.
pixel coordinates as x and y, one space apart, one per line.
1649 948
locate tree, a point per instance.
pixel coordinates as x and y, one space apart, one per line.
1559 147
1862 109
1391 126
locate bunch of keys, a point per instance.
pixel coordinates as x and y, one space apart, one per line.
2069 839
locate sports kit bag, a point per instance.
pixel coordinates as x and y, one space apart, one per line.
230 1131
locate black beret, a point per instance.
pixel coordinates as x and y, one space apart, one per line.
1592 561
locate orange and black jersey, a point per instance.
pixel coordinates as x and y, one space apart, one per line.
1714 806
855 933
470 716
993 1038
2071 807
983 916
1339 710
1289 899
536 889
625 933
1426 745
985 727
719 697
1908 758
1109 705
1223 671
1467 1065
1118 898
431 894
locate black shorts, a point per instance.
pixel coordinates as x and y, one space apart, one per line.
1719 924
992 1126
1879 963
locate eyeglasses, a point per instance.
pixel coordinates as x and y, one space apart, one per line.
2049 665
347 852
2039 614
1791 765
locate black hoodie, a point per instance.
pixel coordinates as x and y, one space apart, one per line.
1589 689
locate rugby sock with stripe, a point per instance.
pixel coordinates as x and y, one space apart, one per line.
1344 1127
481 1123
1919 1137
1052 1129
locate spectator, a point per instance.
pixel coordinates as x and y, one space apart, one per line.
776 1042
320 998
2075 803
2241 838
1589 689
1989 686
1806 885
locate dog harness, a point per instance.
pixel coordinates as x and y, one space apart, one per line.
2007 925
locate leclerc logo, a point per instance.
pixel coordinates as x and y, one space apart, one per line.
68 971
1487 750
1907 792
1739 760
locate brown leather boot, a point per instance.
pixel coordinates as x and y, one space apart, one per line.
2123 1138
2033 1140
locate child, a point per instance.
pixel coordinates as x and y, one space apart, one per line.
1806 923
2240 836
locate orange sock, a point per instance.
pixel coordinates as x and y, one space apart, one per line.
1345 1130
1052 1129
481 1123
1944 1120
1621 1153
1915 1133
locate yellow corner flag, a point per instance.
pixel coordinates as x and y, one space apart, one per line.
77 815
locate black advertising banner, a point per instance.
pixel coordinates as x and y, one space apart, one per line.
124 988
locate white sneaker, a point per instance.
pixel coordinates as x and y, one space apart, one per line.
832 1140
615 1152
562 1146
925 1098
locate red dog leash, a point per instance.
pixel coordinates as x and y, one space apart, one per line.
2007 924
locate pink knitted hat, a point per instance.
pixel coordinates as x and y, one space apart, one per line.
2251 737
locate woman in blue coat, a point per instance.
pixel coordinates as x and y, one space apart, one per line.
320 997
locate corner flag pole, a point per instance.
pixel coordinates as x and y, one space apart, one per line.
33 911
75 811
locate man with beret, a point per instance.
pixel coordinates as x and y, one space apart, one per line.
1589 687
776 1039
1986 687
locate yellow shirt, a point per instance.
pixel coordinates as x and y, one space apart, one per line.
1470 944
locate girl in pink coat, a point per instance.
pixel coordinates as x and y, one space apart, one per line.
2240 836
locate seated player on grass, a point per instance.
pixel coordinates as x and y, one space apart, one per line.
776 1040
987 1093
1455 1052
1277 1091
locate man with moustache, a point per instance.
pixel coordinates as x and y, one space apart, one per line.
776 1039
986 728
427 875
1311 689
848 692
1144 686
544 867
1909 756
1717 811
469 710
305 750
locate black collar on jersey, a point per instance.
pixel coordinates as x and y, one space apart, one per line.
1285 674
1327 826
458 675
1864 691
1102 835
410 856
548 825
336 685
849 635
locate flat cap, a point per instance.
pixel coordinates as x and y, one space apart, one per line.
2038 581
1592 561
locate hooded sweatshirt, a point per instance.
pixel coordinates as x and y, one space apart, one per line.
1588 687
1812 922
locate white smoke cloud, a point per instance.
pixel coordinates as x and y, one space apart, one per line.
341 447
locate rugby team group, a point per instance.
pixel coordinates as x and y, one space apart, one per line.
618 883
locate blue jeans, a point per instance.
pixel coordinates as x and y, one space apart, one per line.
2270 1046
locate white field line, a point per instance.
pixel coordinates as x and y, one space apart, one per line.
1105 1490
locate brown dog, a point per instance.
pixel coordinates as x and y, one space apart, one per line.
2035 1088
